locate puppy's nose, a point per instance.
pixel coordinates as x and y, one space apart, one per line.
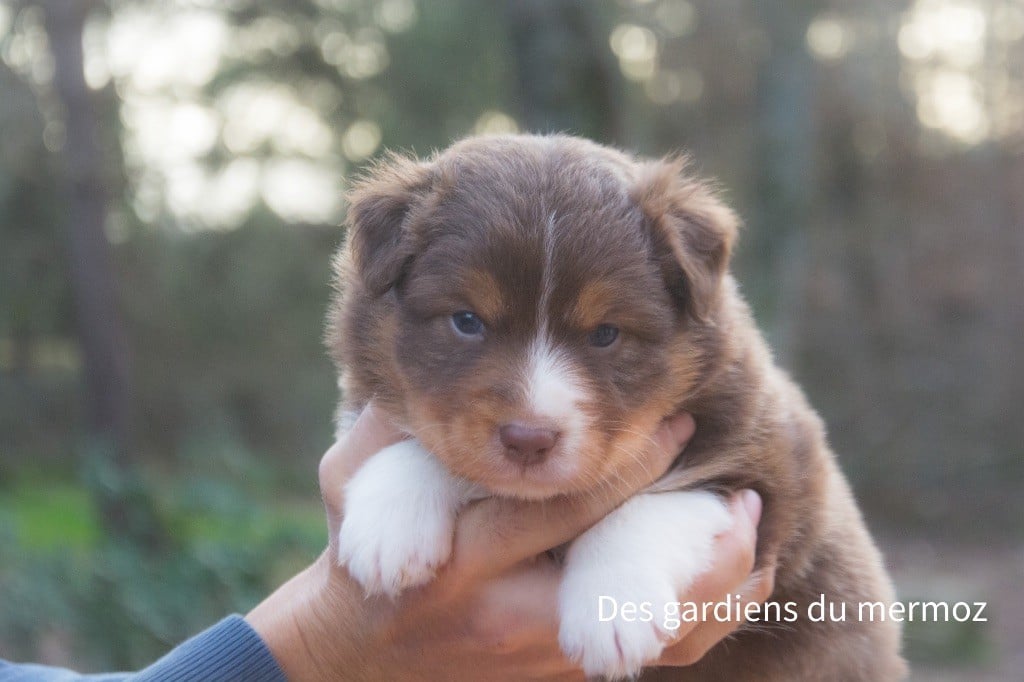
526 445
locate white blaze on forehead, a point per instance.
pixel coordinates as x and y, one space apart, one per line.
547 284
554 390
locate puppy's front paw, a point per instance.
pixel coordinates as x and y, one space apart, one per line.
622 574
597 635
390 549
399 519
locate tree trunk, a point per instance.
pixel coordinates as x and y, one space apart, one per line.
775 259
567 82
100 329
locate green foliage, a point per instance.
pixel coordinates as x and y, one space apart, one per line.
115 604
44 517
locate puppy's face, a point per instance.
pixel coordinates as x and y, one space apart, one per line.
530 307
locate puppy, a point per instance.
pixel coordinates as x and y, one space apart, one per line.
528 309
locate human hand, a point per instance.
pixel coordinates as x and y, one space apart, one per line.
731 573
491 612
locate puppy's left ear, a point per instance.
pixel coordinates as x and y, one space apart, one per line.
693 232
381 213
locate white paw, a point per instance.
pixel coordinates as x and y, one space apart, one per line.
399 519
620 645
622 573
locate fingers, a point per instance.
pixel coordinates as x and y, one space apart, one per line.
517 617
730 574
371 433
757 588
497 533
519 609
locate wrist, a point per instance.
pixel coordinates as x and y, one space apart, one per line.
294 622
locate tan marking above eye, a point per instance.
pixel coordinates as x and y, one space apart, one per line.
484 295
592 305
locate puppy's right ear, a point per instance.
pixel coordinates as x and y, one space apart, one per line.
380 206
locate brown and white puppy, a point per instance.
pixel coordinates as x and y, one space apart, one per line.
529 308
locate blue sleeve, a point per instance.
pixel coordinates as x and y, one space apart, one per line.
230 651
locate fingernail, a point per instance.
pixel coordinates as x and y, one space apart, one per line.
752 503
682 427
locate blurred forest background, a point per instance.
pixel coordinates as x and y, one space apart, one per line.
171 190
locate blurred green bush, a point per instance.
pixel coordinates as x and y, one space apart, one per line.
72 593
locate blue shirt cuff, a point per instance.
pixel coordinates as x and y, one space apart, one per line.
230 651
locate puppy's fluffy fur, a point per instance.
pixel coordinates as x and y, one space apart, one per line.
548 241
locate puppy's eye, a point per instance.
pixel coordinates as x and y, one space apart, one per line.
467 323
603 336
